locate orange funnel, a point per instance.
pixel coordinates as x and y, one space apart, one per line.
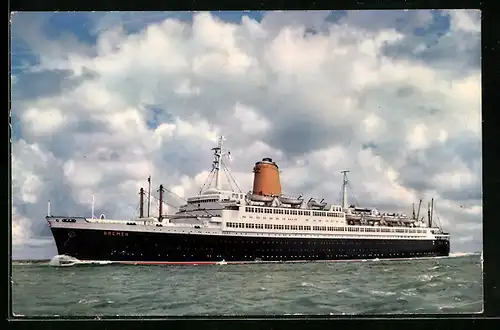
266 179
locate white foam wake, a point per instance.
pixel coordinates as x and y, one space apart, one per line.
463 254
65 261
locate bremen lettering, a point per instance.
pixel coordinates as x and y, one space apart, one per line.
115 233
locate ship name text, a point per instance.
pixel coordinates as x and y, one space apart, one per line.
115 233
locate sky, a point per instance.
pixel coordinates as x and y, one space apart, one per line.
100 101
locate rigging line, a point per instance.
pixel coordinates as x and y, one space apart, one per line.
129 205
203 185
164 202
206 180
353 194
434 212
156 198
134 215
212 178
235 182
167 190
228 178
231 176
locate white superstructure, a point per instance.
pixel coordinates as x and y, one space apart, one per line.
230 212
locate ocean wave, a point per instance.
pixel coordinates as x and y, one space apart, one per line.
425 277
382 293
409 292
85 301
307 284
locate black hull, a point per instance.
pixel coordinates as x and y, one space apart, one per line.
86 244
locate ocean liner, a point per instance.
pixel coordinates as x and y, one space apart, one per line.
262 225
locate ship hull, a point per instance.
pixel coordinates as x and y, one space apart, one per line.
133 246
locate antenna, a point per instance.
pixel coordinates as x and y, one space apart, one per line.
48 208
344 189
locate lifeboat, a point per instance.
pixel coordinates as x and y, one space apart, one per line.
260 198
314 203
372 218
291 200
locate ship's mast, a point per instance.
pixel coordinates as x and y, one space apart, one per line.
344 189
149 193
160 206
432 212
217 164
429 224
93 203
141 203
418 212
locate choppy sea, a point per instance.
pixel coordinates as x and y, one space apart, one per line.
435 285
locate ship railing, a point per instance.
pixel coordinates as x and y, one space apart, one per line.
65 218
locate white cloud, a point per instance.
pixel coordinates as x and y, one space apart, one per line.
466 20
316 103
43 122
249 120
29 162
21 228
418 137
456 179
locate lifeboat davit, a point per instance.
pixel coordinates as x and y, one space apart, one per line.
291 200
314 203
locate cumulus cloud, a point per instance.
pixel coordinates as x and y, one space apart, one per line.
380 93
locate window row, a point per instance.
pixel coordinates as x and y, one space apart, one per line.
212 200
321 228
292 212
266 226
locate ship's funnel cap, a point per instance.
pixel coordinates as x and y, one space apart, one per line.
266 160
